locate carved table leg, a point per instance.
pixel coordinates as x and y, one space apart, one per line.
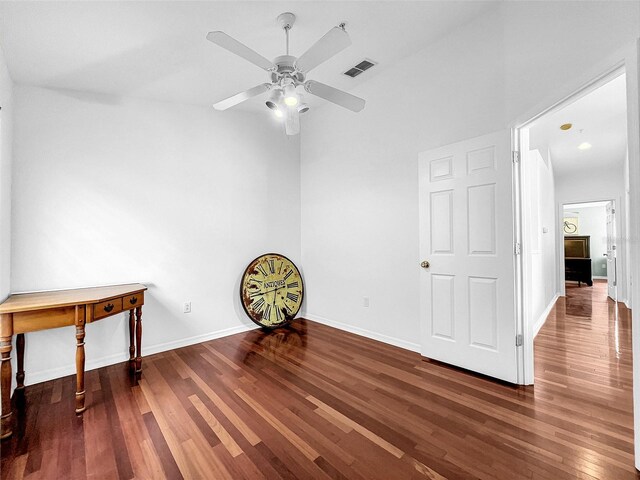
132 345
6 335
80 322
139 339
20 350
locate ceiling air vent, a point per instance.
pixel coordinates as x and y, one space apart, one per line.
359 68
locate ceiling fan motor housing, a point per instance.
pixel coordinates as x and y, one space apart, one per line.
286 68
285 63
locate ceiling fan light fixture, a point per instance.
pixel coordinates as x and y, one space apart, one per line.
274 99
287 72
290 96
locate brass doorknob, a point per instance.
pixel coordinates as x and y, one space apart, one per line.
424 264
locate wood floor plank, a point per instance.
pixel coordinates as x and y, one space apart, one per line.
313 402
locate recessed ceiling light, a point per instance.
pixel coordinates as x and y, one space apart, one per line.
566 126
584 146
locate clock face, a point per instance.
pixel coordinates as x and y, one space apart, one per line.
271 290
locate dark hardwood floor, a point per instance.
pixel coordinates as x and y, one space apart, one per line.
314 402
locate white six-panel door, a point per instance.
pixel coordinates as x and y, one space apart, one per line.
467 303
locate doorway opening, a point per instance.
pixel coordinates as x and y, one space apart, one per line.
590 245
574 182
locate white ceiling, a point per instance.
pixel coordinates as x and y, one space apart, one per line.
598 118
158 50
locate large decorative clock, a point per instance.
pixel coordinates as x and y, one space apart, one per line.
271 290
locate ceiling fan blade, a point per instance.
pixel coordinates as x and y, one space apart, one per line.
334 41
231 44
241 97
292 121
344 99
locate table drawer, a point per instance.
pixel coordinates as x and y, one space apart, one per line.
104 309
132 301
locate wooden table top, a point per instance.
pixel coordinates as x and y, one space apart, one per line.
23 302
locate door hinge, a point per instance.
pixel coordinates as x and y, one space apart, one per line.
517 249
515 156
613 247
519 340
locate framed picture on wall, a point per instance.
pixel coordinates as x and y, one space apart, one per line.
571 226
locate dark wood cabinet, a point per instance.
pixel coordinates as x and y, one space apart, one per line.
577 259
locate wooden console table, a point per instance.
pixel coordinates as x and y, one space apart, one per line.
29 312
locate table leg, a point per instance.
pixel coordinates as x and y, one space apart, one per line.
132 345
139 339
80 323
20 350
6 337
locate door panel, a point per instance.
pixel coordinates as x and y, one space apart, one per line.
467 295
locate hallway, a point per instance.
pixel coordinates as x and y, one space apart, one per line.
583 367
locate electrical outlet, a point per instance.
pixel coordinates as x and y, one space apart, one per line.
187 307
365 301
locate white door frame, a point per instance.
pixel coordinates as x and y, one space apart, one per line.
526 360
628 59
562 284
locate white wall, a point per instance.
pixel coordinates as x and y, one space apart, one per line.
6 142
627 228
632 66
593 222
114 190
590 186
539 247
359 172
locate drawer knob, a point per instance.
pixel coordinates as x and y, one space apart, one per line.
133 300
108 307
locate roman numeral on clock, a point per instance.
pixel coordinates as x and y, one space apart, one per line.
272 267
292 296
257 305
267 312
262 270
292 285
289 273
279 315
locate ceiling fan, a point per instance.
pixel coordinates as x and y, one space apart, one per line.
287 73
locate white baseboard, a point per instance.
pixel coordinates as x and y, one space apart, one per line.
598 277
396 342
543 316
163 347
32 378
50 374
